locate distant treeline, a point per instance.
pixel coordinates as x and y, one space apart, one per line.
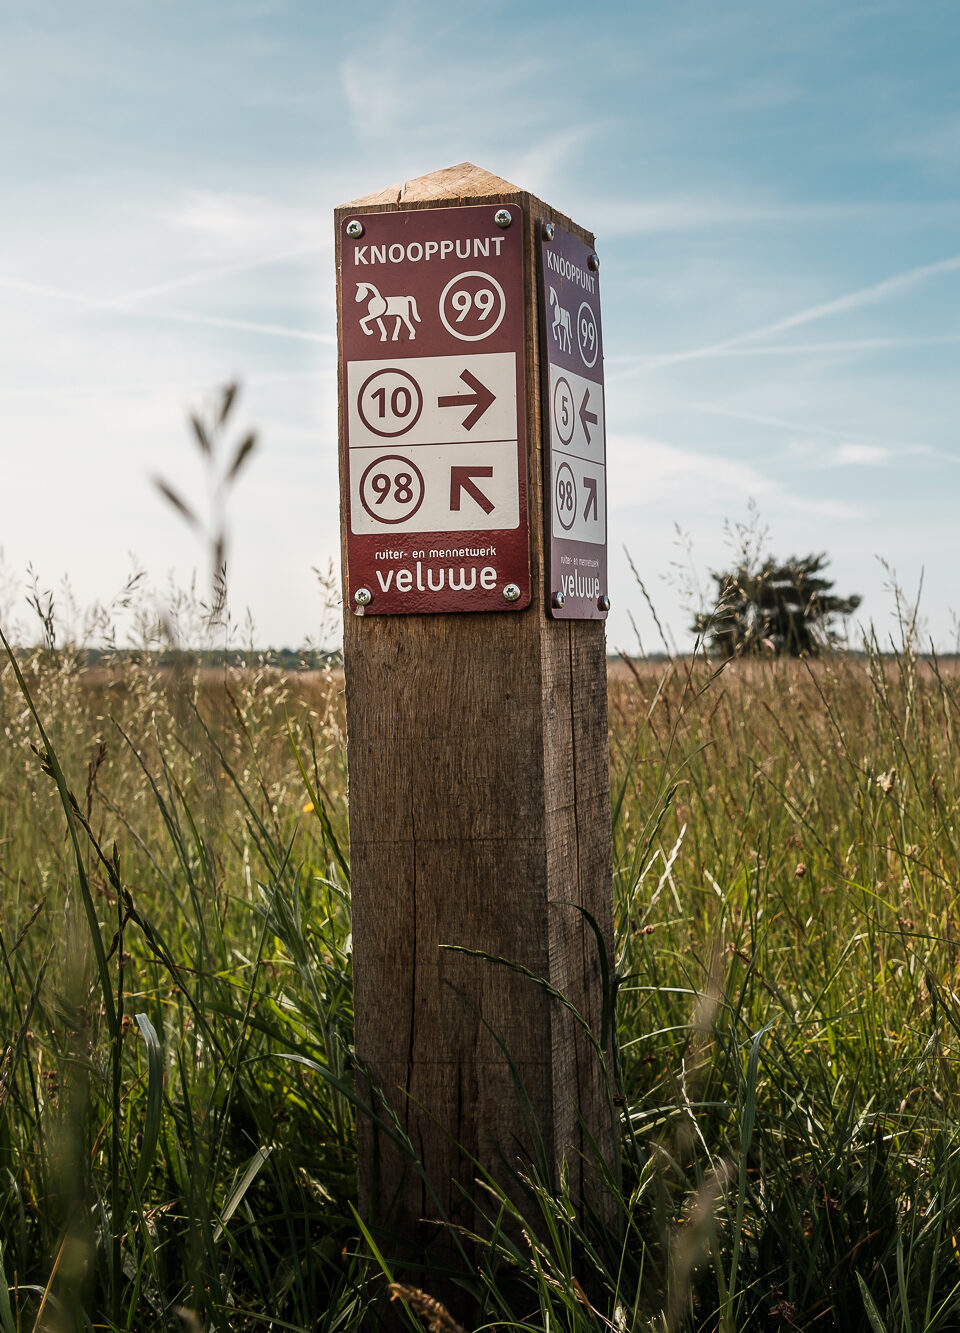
281 659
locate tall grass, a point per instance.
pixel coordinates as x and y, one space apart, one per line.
177 1097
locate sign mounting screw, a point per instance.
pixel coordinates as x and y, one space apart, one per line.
603 602
363 597
593 261
558 600
549 231
503 217
355 230
511 592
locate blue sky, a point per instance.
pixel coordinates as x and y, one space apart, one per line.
775 194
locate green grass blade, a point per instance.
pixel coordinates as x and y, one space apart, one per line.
873 1314
7 1324
154 1109
250 1172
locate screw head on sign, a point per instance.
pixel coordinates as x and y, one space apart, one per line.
363 597
354 230
558 600
503 217
511 592
603 602
593 261
549 231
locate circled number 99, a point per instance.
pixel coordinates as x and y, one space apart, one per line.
587 336
472 306
482 301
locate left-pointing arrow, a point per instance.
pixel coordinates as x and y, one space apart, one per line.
478 401
461 479
587 419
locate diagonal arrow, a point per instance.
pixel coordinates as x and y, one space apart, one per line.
591 485
478 401
586 416
461 479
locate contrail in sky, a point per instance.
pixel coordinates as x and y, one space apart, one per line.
797 427
118 306
851 301
243 325
806 349
220 271
57 293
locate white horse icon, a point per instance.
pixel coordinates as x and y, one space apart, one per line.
561 323
402 308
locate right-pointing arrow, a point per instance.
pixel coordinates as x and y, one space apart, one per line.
586 416
478 400
461 479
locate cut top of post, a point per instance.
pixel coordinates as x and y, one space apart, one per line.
451 184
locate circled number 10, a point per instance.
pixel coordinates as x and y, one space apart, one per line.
401 401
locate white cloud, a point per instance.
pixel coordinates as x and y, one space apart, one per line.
861 455
544 166
645 470
243 221
823 507
375 79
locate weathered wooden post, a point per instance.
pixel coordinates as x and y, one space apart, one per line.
475 588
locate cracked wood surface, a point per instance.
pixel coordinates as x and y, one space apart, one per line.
479 819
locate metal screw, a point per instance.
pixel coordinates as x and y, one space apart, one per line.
558 600
511 592
503 217
549 231
593 262
363 597
354 230
603 602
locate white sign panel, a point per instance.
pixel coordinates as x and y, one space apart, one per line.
433 400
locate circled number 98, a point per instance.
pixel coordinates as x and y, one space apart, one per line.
565 497
391 489
402 485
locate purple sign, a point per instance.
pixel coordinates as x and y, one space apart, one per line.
575 468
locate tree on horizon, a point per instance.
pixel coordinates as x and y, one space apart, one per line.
784 608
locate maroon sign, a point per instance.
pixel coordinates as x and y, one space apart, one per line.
575 471
435 472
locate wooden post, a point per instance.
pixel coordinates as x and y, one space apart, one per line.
479 818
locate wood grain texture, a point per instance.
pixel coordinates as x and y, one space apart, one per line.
479 818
